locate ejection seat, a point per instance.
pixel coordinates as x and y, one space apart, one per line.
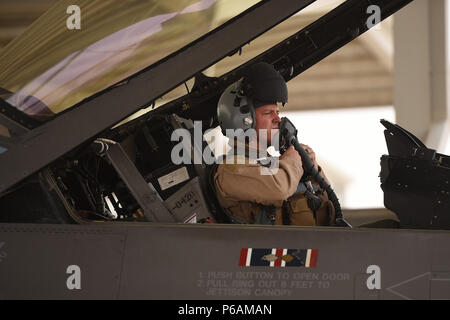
211 209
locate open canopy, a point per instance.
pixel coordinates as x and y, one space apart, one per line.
50 67
105 76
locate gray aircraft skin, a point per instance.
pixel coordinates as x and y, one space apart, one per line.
58 240
166 261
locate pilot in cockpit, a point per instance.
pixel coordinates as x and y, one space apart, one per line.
250 186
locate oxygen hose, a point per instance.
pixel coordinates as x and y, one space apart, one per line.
289 133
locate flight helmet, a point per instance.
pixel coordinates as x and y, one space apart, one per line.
261 85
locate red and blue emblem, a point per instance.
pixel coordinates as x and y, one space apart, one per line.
278 257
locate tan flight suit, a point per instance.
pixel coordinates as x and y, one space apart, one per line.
241 190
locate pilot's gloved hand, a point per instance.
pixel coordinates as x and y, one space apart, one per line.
311 154
291 153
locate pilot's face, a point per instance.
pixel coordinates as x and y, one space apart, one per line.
267 117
